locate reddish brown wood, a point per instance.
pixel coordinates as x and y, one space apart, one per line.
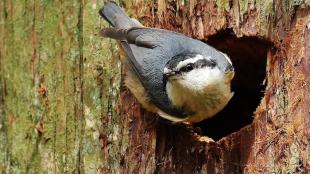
278 140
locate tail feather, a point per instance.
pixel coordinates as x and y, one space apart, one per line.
113 14
118 34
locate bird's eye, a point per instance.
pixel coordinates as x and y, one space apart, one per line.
187 68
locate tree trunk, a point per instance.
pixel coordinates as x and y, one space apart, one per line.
56 85
62 111
263 38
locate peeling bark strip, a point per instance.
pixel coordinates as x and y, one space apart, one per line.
278 140
4 145
80 92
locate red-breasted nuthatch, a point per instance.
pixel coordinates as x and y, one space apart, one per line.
180 78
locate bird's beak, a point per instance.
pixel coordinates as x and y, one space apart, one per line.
170 74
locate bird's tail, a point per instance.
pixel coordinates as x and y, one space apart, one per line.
113 14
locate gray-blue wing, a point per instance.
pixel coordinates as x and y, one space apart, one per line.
147 57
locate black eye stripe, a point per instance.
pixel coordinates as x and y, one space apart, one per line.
204 62
187 67
201 63
198 64
211 63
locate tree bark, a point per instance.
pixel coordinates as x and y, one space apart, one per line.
277 141
57 82
62 109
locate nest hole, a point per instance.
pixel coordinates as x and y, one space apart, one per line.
249 57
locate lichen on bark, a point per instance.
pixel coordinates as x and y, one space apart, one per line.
51 102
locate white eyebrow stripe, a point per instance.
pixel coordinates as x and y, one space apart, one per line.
190 60
166 70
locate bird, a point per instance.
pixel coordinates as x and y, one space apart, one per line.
179 78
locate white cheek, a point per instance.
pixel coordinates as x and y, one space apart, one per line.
199 79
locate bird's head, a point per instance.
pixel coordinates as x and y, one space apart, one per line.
197 72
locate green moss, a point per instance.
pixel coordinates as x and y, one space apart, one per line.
265 12
223 4
243 5
293 163
71 110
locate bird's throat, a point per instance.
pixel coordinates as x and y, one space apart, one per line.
203 103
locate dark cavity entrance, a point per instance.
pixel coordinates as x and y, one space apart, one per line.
249 56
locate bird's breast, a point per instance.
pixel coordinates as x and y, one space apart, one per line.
203 103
